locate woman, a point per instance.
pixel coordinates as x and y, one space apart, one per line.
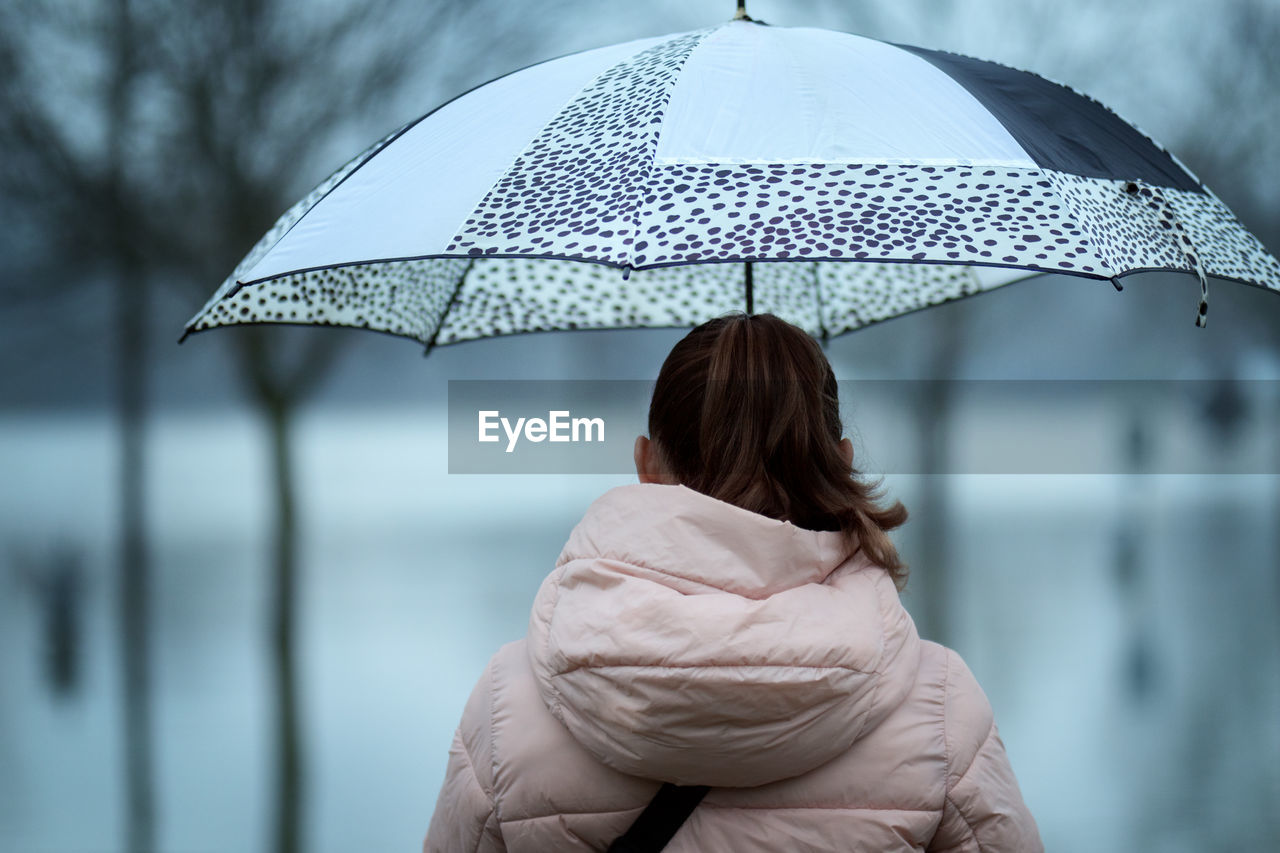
732 621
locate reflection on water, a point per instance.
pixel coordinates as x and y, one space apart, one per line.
412 578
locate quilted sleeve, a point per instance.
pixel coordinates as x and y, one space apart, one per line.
983 811
465 819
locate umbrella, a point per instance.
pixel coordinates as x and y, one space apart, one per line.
828 178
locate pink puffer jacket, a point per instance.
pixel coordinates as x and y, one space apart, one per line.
685 639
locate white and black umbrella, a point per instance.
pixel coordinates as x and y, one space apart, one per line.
828 178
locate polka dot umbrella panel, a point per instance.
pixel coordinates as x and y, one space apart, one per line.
828 178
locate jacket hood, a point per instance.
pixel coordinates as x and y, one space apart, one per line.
685 639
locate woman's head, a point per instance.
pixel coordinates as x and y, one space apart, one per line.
745 410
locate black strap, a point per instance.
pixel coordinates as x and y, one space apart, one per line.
660 820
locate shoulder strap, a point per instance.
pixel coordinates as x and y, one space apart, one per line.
660 820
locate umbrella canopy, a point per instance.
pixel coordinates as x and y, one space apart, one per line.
828 178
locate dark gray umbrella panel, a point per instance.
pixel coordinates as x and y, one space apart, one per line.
628 185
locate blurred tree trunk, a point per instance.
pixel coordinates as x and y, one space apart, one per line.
284 595
86 205
134 563
131 331
277 393
933 513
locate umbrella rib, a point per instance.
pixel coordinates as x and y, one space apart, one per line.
444 315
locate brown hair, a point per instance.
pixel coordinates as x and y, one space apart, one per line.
745 410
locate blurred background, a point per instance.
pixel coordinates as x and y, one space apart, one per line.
242 601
